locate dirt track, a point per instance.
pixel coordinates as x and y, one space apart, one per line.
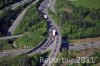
86 40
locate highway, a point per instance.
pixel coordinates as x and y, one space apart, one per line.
50 40
32 50
57 41
42 46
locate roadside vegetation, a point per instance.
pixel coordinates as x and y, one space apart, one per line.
7 18
62 54
33 26
5 3
93 59
96 60
5 45
23 60
77 22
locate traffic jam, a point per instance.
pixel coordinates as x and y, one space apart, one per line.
54 35
52 29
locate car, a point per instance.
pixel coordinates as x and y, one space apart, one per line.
57 33
57 38
71 44
56 41
92 42
48 45
52 41
49 20
52 55
54 50
44 45
41 47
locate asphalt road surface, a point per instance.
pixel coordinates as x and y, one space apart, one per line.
37 49
57 40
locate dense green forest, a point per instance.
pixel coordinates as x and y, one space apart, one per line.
33 26
76 22
5 3
5 45
8 16
23 60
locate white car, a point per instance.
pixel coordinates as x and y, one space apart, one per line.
45 16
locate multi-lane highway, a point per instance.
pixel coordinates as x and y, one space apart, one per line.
51 27
44 45
57 40
50 40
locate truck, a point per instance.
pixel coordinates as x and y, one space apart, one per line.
54 33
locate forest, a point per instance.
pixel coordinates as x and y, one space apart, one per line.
7 18
23 60
76 22
5 3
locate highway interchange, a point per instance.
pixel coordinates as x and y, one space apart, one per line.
50 39
56 42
